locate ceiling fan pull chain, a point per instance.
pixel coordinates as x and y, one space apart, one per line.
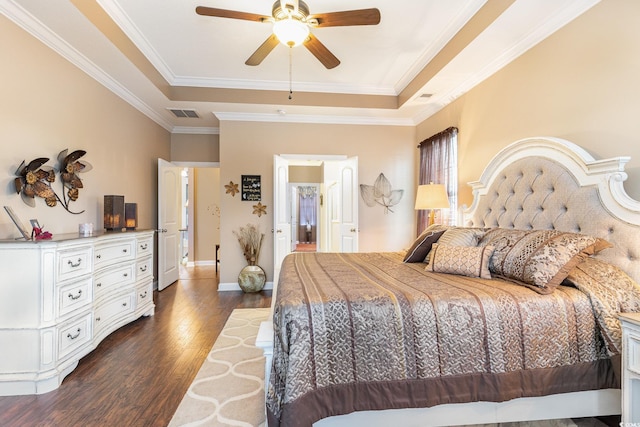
290 71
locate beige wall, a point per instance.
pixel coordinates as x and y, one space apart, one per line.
49 105
195 148
207 213
580 84
248 148
305 174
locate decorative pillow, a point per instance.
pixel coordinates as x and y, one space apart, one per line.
611 292
422 245
462 260
539 259
462 236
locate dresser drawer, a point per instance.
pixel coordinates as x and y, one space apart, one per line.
114 278
114 253
144 268
74 335
144 247
113 310
144 295
73 263
74 296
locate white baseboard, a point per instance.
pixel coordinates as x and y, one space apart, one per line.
233 286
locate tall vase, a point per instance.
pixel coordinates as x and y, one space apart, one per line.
252 278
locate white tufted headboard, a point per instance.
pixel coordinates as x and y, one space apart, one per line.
550 183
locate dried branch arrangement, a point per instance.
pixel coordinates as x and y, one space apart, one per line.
250 239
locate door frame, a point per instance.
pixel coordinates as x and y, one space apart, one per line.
191 232
299 160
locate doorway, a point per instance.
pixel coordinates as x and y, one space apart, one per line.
337 229
189 211
305 217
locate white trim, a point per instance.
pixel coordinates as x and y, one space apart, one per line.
280 85
121 18
303 118
233 286
204 263
30 24
195 130
518 48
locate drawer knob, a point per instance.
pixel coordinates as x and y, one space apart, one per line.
75 265
126 274
97 319
143 268
98 256
99 285
143 246
143 295
75 297
124 304
73 337
124 250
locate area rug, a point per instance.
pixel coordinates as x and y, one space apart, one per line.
229 387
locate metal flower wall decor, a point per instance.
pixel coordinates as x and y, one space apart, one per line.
35 179
381 193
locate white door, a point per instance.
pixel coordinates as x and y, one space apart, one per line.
341 183
349 205
168 223
281 216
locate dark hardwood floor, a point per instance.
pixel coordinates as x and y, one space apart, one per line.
138 374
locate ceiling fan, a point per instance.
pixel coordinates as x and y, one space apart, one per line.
291 26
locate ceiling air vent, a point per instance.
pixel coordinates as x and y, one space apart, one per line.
184 113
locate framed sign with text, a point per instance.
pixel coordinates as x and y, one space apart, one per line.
251 188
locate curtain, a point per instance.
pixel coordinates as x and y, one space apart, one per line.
439 164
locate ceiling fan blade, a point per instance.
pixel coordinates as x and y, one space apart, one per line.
346 18
224 13
264 50
320 51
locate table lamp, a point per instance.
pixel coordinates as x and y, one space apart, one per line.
432 196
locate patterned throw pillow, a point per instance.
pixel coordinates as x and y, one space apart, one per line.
539 259
422 245
462 260
462 236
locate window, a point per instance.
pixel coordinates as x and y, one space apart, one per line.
439 164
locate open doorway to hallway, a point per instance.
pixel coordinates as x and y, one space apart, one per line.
200 219
305 217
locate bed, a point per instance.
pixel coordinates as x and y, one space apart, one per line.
513 318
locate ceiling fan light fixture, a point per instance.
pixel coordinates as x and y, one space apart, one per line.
291 32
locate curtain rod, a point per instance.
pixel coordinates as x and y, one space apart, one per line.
447 130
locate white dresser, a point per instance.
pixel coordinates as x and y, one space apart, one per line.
60 298
630 368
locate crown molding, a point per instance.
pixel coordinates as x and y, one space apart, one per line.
303 118
195 130
33 26
519 47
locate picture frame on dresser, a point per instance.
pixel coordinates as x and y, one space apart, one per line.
25 234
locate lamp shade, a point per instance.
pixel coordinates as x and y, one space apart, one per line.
291 32
432 196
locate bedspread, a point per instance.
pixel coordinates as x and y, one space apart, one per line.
365 331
